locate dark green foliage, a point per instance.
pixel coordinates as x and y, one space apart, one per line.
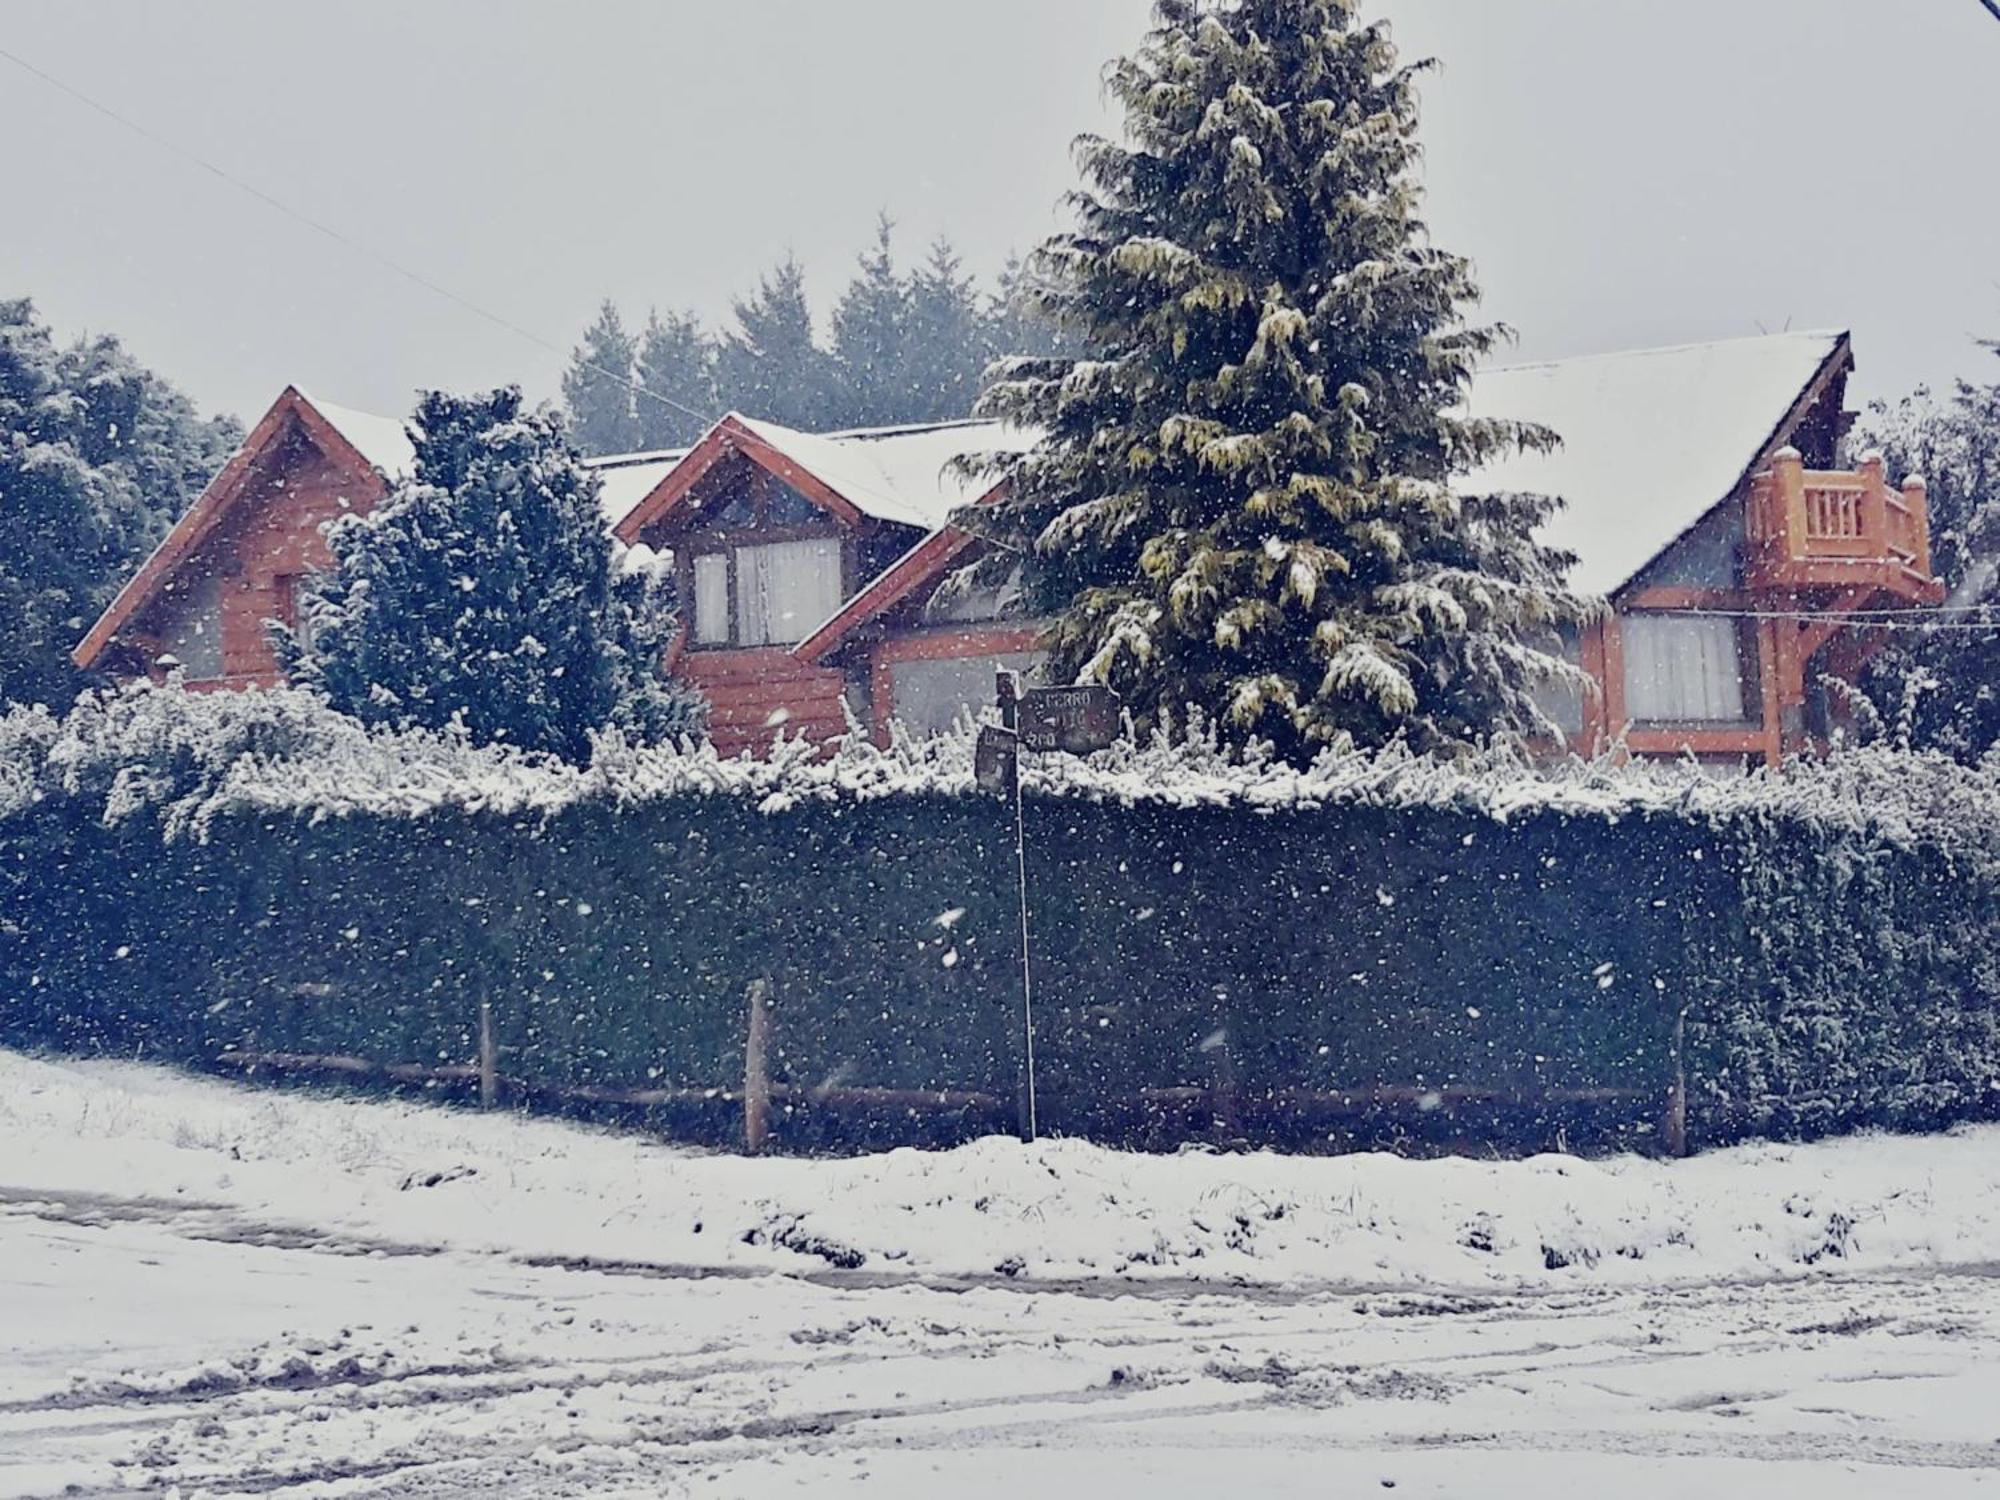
1244 499
597 387
97 458
770 364
484 592
873 337
1941 688
1832 974
616 946
676 375
906 347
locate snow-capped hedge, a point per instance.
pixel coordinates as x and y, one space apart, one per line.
189 874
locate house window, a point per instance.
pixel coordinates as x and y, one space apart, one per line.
1683 669
292 603
711 599
193 634
928 694
773 594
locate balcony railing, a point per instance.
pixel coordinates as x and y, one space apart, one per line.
1812 529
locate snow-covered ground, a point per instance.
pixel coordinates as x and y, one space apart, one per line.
220 1290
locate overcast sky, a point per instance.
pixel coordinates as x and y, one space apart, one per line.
1624 172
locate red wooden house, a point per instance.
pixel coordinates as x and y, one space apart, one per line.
1702 500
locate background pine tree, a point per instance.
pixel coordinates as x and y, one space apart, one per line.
597 387
906 348
97 457
1242 503
676 374
770 365
950 342
484 589
872 336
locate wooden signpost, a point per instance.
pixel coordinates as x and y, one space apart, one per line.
1077 720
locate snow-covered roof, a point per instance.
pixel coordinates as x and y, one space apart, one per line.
1652 440
627 478
899 474
383 441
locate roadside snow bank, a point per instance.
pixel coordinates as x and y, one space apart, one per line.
119 1138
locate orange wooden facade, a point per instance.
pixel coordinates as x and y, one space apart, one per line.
255 532
1820 546
1795 558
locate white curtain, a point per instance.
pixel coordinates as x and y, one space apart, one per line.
711 598
1682 667
786 590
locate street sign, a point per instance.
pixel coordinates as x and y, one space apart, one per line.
1076 719
996 761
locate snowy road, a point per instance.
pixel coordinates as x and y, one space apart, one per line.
177 1340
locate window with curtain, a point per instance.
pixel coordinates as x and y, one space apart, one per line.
1683 668
786 590
711 598
771 594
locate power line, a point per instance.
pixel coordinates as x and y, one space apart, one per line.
1992 8
340 238
1922 621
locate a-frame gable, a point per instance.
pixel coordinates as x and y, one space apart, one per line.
291 413
674 499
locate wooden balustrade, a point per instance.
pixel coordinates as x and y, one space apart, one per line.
1815 529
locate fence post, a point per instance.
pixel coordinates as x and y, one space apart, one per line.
1674 1124
1225 1109
756 1068
489 1058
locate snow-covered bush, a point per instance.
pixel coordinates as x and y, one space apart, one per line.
189 873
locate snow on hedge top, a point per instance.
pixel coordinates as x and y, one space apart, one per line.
1652 440
190 758
900 474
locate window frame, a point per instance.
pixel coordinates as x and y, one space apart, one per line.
1748 672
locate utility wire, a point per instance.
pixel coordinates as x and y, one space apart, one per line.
338 237
1992 8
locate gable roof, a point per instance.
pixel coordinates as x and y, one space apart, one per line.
1652 440
292 410
902 475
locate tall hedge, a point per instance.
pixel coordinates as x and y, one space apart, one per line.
189 876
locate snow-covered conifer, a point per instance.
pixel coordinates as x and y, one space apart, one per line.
597 387
1244 498
97 457
484 591
676 377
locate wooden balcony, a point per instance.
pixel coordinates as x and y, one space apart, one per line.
1812 531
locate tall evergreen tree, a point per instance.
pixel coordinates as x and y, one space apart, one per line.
484 590
97 457
949 342
872 336
597 387
1942 684
770 365
1018 322
676 378
1243 503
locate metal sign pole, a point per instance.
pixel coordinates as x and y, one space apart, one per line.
1007 691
